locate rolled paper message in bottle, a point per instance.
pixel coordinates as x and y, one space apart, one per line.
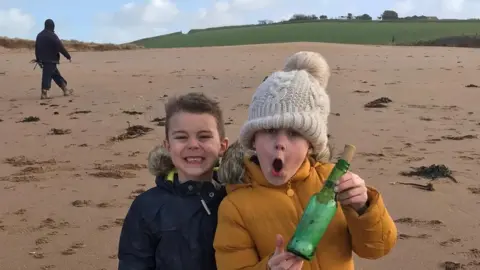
319 212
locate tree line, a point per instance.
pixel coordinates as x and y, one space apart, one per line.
387 15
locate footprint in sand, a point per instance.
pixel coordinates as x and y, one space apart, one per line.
21 179
37 254
450 242
103 227
472 254
116 223
105 205
474 190
420 236
414 159
20 212
134 154
69 251
59 131
448 265
42 241
73 248
136 192
127 166
117 171
229 121
78 245
49 223
115 174
432 224
21 161
35 170
81 203
79 112
460 138
373 156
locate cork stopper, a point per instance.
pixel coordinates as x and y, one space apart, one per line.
348 152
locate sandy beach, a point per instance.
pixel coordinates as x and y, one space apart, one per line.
66 185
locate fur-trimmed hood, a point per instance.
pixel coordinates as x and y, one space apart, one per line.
159 161
231 166
230 171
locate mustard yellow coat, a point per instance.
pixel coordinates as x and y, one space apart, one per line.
254 212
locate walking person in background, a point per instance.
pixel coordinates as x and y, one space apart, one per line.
47 55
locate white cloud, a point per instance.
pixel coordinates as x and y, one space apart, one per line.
404 7
134 21
250 5
159 11
221 6
453 5
16 23
221 13
440 8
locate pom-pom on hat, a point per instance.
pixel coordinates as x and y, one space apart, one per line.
293 98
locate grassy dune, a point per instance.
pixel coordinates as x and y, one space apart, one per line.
356 32
71 45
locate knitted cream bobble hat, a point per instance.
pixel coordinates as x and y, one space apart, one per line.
292 98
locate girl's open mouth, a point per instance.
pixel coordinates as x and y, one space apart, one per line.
277 167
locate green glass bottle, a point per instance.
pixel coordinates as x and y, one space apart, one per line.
319 211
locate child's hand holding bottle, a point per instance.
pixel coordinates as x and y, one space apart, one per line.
282 260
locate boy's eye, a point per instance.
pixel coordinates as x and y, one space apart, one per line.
271 131
180 138
205 137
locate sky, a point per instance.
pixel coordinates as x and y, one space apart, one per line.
120 21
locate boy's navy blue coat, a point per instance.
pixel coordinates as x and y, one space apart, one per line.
168 228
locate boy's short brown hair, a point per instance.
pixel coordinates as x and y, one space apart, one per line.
194 102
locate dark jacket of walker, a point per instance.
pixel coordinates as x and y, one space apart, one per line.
168 227
48 46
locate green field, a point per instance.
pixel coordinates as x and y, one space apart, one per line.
350 32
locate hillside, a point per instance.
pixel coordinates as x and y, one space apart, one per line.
331 31
71 45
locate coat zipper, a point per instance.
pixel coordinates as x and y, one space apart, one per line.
204 204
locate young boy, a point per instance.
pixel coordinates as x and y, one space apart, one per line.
172 226
269 189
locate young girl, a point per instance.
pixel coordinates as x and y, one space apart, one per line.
282 160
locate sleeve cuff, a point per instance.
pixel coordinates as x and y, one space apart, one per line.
371 216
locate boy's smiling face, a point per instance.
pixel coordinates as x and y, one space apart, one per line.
194 144
280 152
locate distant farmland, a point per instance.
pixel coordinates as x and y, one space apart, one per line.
349 32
